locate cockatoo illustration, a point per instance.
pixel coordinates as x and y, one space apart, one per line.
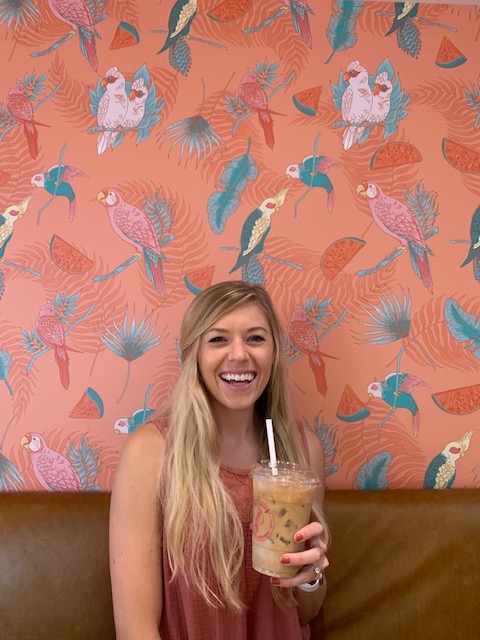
255 98
381 99
77 14
396 391
111 108
256 227
57 181
135 227
474 250
313 173
180 20
440 473
300 19
7 219
127 426
53 470
304 338
21 109
136 104
50 331
397 220
408 36
357 103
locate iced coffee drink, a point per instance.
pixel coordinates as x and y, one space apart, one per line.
282 505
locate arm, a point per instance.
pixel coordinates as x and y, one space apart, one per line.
135 539
309 604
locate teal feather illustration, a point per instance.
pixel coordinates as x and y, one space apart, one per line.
233 182
373 474
463 326
341 27
5 363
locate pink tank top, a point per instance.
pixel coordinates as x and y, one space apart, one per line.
184 613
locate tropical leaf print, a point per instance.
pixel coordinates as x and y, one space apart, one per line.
19 166
164 379
11 478
327 434
72 99
341 27
16 15
464 327
373 474
22 386
123 12
85 459
46 30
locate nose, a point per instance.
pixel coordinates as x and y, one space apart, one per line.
238 351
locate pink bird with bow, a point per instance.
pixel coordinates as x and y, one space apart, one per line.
50 331
397 220
255 98
53 470
21 109
77 14
135 227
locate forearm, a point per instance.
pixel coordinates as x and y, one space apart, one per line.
309 604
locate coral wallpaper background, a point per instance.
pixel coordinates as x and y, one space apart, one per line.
330 150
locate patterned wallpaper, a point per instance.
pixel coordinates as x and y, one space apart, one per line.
330 150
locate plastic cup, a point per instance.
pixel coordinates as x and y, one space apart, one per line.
282 504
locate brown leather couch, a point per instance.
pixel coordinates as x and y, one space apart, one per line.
404 565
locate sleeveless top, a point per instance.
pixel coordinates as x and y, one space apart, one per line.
186 616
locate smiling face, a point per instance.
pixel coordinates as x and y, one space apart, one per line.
235 359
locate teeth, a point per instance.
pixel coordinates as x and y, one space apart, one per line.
237 377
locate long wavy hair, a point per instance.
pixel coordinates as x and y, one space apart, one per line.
204 534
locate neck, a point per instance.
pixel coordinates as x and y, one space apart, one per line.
238 437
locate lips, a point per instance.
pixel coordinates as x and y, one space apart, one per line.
238 377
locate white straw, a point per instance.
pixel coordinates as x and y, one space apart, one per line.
271 447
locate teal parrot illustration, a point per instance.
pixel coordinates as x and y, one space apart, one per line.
127 426
256 227
8 219
181 17
56 182
474 250
396 390
441 471
408 36
313 173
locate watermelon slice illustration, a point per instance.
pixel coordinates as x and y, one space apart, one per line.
67 257
229 10
448 55
307 101
460 402
462 158
125 36
351 408
199 279
90 406
338 255
395 154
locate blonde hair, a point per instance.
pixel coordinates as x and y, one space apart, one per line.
202 527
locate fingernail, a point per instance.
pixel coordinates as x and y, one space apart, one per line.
298 537
285 560
275 581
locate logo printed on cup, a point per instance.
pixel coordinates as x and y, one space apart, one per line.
263 520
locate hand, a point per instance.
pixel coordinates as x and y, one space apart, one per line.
314 554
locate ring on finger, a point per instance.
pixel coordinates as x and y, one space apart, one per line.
317 571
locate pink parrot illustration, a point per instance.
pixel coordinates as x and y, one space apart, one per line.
136 104
255 98
135 227
111 108
304 338
381 99
356 103
300 11
397 220
50 331
21 110
77 14
54 471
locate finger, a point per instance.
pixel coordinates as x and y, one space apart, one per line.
309 531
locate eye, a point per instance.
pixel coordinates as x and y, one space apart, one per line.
216 340
256 338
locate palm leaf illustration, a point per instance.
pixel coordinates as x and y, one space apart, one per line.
464 327
340 31
195 136
10 477
233 182
328 437
373 474
86 462
16 13
130 341
390 320
5 364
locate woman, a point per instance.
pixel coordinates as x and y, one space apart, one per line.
180 523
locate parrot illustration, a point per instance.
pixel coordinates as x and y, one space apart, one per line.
54 471
111 108
135 227
136 104
408 36
357 101
300 19
77 14
56 182
181 17
50 331
129 425
21 109
255 98
381 99
396 390
304 338
440 473
313 173
8 219
397 220
474 250
256 227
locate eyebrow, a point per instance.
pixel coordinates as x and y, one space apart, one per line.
249 330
